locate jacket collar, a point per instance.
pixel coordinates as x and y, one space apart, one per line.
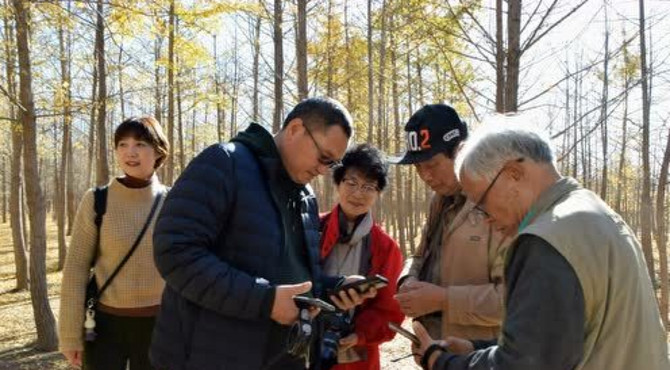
548 198
261 142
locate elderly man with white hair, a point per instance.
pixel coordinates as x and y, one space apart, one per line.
578 295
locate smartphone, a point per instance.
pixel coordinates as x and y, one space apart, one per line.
306 302
405 333
362 286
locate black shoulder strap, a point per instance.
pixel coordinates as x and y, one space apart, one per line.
100 206
137 242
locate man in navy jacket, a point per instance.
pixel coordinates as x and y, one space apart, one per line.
238 237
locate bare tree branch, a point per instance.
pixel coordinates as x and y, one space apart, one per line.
614 99
458 81
613 54
474 19
532 15
482 51
534 38
12 99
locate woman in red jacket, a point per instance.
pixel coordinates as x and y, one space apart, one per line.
353 244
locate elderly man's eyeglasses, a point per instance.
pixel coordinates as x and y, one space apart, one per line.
352 185
480 204
323 158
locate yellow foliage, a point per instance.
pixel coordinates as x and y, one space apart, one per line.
55 14
190 52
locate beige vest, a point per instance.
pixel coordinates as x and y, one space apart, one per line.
623 329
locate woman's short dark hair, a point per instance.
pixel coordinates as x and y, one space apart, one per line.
145 128
367 160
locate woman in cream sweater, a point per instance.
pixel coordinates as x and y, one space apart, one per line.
126 310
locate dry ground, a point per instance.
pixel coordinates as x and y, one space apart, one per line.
17 328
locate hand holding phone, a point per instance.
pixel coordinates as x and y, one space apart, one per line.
405 333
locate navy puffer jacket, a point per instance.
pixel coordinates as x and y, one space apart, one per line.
217 242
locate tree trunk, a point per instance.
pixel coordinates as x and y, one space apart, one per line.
279 66
513 54
16 210
500 59
180 124
370 75
70 191
64 48
350 94
329 49
410 94
575 136
91 127
169 179
158 100
565 163
102 168
16 183
256 58
419 77
661 233
399 205
621 184
582 135
380 91
44 319
51 194
301 48
220 119
603 112
645 202
195 110
4 189
327 181
235 89
70 206
122 98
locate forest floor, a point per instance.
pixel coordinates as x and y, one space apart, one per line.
17 327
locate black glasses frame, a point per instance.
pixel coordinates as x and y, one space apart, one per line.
323 158
480 204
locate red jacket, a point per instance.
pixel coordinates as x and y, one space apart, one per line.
372 317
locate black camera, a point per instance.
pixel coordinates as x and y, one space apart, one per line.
337 325
300 335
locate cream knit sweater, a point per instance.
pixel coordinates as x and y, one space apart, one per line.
138 284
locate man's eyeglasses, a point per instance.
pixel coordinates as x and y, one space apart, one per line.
480 204
323 159
351 186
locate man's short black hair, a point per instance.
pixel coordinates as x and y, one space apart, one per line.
367 160
321 112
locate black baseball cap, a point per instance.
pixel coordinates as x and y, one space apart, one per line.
433 129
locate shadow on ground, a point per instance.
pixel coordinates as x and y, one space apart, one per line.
27 357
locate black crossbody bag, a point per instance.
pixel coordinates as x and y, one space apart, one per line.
92 291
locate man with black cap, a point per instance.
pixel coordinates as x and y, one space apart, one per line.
453 284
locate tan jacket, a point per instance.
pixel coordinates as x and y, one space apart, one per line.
471 259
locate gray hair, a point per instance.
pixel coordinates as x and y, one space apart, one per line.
503 138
